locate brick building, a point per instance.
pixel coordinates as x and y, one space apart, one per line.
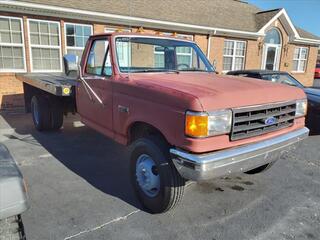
35 34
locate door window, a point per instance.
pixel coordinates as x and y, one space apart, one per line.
107 70
270 58
99 58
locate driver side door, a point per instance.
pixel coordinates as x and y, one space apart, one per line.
94 94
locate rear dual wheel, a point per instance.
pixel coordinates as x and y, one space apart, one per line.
47 113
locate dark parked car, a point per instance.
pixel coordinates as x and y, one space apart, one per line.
313 94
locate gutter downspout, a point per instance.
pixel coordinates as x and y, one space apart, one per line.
208 46
209 43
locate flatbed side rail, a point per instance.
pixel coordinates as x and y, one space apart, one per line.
57 84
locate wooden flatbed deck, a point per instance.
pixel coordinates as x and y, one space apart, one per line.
57 84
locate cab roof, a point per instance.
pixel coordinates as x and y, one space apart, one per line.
114 34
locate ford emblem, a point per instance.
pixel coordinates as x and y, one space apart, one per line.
270 121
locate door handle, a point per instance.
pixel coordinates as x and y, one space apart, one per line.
123 109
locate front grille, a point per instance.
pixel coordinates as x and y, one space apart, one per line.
251 121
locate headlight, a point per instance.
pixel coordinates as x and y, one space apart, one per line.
203 124
220 122
301 107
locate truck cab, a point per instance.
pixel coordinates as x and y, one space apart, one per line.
181 121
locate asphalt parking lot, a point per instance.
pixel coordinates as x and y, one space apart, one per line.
79 189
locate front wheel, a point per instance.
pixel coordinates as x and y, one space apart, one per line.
157 184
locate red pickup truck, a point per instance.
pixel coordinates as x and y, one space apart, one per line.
161 97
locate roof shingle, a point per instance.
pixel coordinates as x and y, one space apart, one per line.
306 34
262 18
227 14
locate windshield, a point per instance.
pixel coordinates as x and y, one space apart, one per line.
282 78
145 54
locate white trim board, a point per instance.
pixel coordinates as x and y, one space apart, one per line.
297 37
138 21
282 11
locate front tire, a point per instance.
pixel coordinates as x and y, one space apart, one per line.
157 184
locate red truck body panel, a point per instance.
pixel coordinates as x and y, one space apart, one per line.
161 100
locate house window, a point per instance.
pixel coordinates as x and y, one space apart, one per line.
45 46
76 37
233 55
12 57
123 48
184 54
273 36
300 59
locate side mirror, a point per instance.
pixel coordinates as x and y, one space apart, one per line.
70 63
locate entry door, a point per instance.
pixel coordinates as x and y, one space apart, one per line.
94 96
271 57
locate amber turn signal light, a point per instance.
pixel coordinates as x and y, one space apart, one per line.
196 124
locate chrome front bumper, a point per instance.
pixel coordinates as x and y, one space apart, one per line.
206 166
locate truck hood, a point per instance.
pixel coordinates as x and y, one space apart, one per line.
218 92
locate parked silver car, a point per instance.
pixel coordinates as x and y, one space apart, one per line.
13 197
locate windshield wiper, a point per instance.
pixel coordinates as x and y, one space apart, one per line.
145 70
167 70
154 70
193 70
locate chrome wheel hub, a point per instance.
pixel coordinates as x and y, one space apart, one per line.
147 175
